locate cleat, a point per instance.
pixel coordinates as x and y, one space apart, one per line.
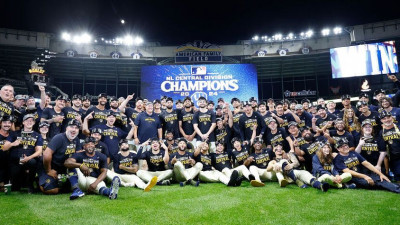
283 183
182 184
114 188
77 193
350 186
251 177
151 184
256 183
324 187
234 177
195 183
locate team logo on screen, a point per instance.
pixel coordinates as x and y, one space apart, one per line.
199 70
195 96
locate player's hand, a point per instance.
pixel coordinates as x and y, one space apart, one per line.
273 115
173 160
131 122
378 168
326 134
295 143
277 168
369 180
24 160
314 120
287 111
192 162
41 88
337 179
92 187
250 159
130 97
53 174
246 142
361 142
383 177
58 119
90 116
85 170
137 141
16 142
392 77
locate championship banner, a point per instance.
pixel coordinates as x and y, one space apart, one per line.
210 81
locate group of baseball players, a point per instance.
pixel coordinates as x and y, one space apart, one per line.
71 145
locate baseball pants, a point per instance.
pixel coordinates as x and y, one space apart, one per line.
346 177
127 180
181 174
147 175
85 182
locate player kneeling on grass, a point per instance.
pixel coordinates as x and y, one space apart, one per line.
209 173
125 167
288 164
258 162
222 162
323 169
184 166
157 160
91 168
351 162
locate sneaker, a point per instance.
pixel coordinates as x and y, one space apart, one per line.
350 186
151 184
324 187
234 177
283 183
195 183
304 186
251 177
256 183
182 184
114 188
77 193
166 182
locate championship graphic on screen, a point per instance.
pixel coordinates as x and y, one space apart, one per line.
210 81
361 60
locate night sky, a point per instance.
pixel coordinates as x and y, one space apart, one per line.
178 22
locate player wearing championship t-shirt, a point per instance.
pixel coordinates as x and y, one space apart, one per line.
249 122
340 133
44 130
99 145
222 131
99 112
288 164
185 118
324 120
6 95
309 148
325 171
169 118
55 116
305 117
239 153
157 160
126 167
287 116
60 148
391 135
209 173
147 126
91 167
85 104
276 134
373 116
184 166
204 123
131 113
386 104
24 155
258 162
351 162
372 148
73 112
5 132
236 114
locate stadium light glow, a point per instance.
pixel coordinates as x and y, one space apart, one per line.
309 33
337 30
278 37
138 40
290 36
255 38
122 21
325 32
66 36
86 38
128 40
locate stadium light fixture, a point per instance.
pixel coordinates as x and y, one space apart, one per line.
66 36
86 38
138 41
337 30
290 36
309 33
255 38
122 21
278 37
325 32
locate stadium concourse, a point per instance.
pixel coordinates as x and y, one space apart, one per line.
264 110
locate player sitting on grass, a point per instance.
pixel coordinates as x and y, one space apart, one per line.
351 162
91 169
288 164
126 166
324 170
184 166
209 173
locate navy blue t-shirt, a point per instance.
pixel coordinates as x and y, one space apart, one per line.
205 159
94 163
262 159
238 157
127 161
55 128
279 136
155 162
352 161
184 159
346 135
204 122
102 148
148 126
111 137
63 148
99 116
221 161
29 141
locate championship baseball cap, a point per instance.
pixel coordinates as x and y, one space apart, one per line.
339 143
74 97
302 129
113 98
384 113
179 101
218 107
163 97
90 140
277 143
305 100
44 124
292 123
270 120
252 99
346 96
20 97
157 101
169 99
361 103
7 118
321 107
235 139
96 130
112 113
338 120
376 92
363 95
257 140
62 97
182 139
27 116
149 103
365 122
246 103
102 95
211 102
298 106
234 100
84 98
74 122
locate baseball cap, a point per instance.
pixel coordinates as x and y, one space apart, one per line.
292 123
339 143
384 113
62 97
90 140
305 100
236 139
262 103
122 141
258 140
182 139
157 101
365 95
365 122
44 124
74 122
102 95
246 103
218 107
376 92
321 107
271 100
84 98
346 96
7 118
169 99
76 97
202 98
96 130
270 120
234 99
361 103
187 98
27 116
113 98
179 101
211 102
294 101
112 113
298 106
252 99
20 97
277 143
221 100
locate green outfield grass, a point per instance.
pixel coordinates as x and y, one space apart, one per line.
206 204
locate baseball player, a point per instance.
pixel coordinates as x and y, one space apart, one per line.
91 167
204 124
